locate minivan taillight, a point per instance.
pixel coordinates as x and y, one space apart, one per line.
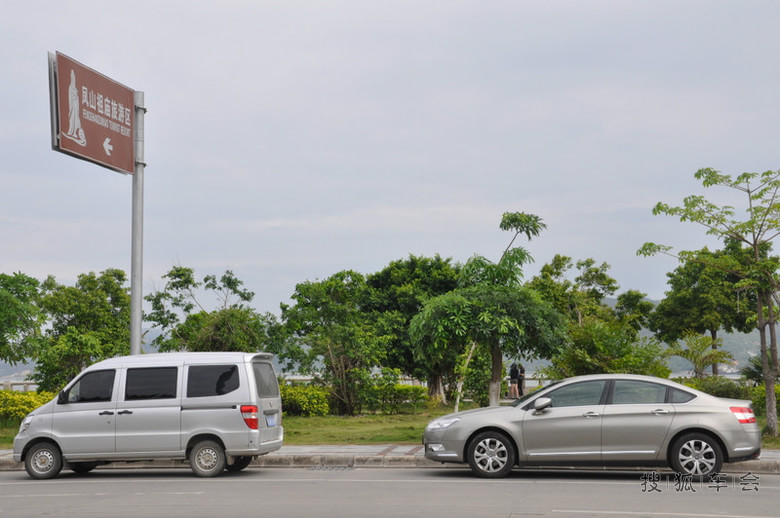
744 415
249 413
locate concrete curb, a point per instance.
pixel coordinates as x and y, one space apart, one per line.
350 461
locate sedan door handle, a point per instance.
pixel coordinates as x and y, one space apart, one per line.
590 414
106 412
660 411
125 412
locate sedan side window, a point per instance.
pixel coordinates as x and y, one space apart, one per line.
680 396
629 392
585 393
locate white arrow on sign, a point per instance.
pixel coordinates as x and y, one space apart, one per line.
107 147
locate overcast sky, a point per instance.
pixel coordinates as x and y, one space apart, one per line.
289 140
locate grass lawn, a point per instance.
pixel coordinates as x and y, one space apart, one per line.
8 430
365 429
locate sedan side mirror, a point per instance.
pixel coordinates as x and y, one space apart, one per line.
542 403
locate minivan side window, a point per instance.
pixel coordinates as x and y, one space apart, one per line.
265 379
93 387
211 380
151 383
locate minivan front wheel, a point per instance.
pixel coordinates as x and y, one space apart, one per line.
696 454
207 459
43 461
491 455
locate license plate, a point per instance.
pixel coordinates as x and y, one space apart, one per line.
270 420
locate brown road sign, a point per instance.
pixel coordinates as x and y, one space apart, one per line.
93 116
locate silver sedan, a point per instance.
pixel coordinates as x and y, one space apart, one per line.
607 419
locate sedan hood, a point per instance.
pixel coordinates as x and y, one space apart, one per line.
486 410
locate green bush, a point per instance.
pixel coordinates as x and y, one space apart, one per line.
305 400
390 399
759 399
16 405
720 387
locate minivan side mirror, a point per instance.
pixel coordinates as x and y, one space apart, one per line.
542 403
62 398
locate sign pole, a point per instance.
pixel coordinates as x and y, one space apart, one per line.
137 251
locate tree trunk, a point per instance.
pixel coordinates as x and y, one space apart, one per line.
436 388
714 335
497 374
770 376
768 361
459 385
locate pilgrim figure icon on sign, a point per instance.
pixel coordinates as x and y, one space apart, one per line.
75 131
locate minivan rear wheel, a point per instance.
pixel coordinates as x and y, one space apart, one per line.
491 454
239 464
43 461
207 459
82 468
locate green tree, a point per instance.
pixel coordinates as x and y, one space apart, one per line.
601 339
88 322
20 317
579 297
633 309
703 299
756 232
331 335
700 352
396 294
597 346
501 320
753 372
490 308
187 325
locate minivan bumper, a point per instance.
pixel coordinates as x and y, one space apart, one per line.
263 448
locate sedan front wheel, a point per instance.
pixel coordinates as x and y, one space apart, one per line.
491 455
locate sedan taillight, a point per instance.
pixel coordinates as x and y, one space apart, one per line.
744 415
249 413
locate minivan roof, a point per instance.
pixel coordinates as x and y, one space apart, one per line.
181 358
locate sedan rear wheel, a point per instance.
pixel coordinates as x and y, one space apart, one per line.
491 455
696 454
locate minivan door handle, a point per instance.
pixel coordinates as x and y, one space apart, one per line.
106 412
125 412
660 411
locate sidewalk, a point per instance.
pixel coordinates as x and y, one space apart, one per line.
376 456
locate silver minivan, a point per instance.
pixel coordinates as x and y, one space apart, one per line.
216 410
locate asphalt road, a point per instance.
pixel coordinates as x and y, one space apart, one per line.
368 493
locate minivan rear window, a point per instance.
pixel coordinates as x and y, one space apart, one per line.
265 379
151 383
211 380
